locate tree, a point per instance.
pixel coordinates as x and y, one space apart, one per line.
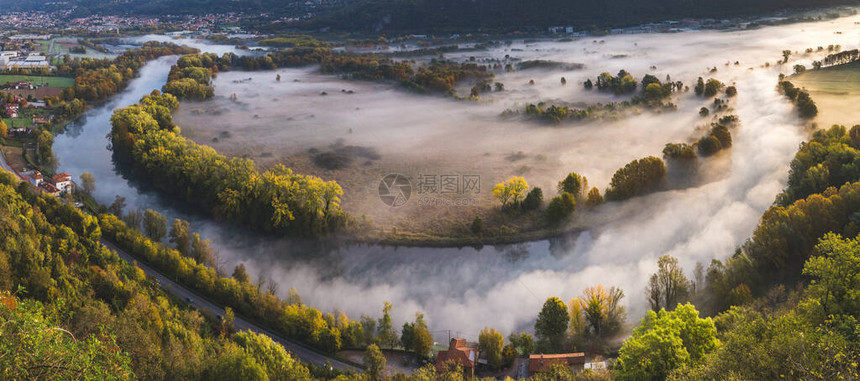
374 360
534 200
117 206
227 321
588 84
240 274
594 198
560 208
573 184
597 312
387 336
704 111
636 178
523 342
88 182
200 250
510 190
416 336
836 275
180 235
509 355
665 341
731 91
551 326
134 219
668 286
154 225
491 343
477 226
700 86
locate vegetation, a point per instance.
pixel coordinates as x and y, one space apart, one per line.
277 200
806 107
551 326
510 191
665 341
636 178
81 312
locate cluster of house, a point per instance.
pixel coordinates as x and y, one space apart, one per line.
14 59
12 110
466 356
60 184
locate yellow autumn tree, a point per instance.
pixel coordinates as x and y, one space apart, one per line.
511 190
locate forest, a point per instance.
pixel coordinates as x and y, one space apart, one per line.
72 309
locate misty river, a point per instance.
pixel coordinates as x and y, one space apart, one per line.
465 289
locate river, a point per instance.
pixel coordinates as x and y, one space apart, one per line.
465 289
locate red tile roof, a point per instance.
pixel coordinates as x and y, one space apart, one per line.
458 353
542 363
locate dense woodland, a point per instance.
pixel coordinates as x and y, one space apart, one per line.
71 309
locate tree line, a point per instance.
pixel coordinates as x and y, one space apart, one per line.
70 308
275 201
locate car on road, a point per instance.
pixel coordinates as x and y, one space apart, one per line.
189 300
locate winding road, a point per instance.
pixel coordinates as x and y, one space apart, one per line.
299 351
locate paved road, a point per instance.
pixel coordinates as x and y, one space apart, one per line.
302 353
4 165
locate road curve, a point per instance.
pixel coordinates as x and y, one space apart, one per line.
302 353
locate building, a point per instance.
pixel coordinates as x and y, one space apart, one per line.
63 182
458 353
32 61
49 189
542 363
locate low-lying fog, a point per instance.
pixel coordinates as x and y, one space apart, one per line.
503 287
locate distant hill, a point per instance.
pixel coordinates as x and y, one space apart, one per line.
437 15
162 7
440 15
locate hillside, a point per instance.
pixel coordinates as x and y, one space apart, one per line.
438 15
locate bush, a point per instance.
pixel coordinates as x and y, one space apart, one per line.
560 208
534 200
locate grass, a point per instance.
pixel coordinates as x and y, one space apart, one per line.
835 80
37 79
836 92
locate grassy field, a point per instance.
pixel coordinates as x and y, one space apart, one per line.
836 91
51 81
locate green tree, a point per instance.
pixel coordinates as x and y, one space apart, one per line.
636 178
551 326
509 355
510 190
491 343
154 225
573 184
279 365
374 360
560 208
534 200
665 341
477 226
180 235
386 334
835 274
240 274
668 286
523 342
